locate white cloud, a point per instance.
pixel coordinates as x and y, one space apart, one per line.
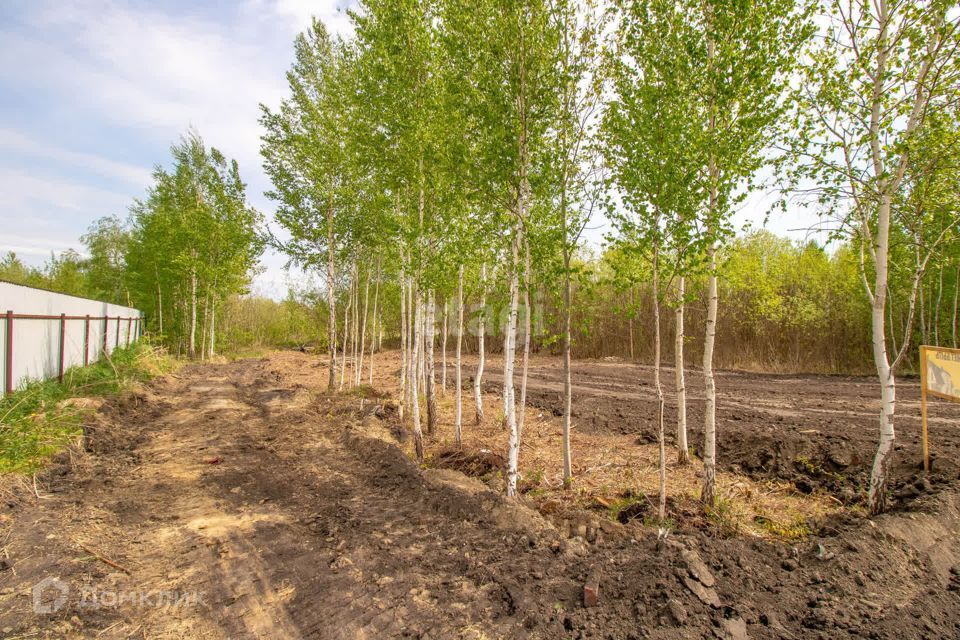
138 77
16 142
22 192
298 13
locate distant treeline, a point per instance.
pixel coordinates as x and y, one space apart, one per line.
792 306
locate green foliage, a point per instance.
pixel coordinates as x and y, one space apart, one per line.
193 242
252 323
39 420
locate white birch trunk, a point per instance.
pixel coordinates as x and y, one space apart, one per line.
662 504
429 374
683 450
526 339
331 303
205 325
415 400
160 311
458 420
375 320
356 323
346 338
567 377
443 348
411 338
509 356
710 392
403 339
213 325
481 332
193 314
363 329
888 393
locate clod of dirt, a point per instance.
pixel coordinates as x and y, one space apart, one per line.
477 464
706 595
591 589
677 613
697 568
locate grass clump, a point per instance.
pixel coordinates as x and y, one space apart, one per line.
42 417
793 530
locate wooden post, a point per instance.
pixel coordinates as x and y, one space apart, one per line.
8 354
923 408
63 330
106 325
129 327
86 340
116 340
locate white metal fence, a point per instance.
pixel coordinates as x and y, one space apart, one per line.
43 333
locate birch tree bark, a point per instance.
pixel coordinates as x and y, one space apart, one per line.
655 281
683 450
429 374
481 332
526 337
415 399
363 329
509 355
346 336
160 309
331 302
375 320
567 382
213 325
204 326
710 392
458 419
403 339
443 348
354 350
192 352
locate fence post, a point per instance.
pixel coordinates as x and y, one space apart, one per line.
129 326
8 354
116 340
86 340
63 331
106 325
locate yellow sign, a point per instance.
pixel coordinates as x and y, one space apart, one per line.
940 372
940 377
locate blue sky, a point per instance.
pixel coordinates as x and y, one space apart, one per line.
92 94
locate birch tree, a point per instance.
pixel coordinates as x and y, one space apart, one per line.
879 75
746 52
507 55
304 155
651 136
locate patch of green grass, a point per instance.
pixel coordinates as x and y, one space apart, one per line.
530 481
37 420
619 504
723 516
794 530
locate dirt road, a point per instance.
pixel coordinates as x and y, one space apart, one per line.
240 501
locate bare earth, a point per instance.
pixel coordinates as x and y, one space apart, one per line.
241 501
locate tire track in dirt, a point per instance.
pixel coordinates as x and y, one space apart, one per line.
246 488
